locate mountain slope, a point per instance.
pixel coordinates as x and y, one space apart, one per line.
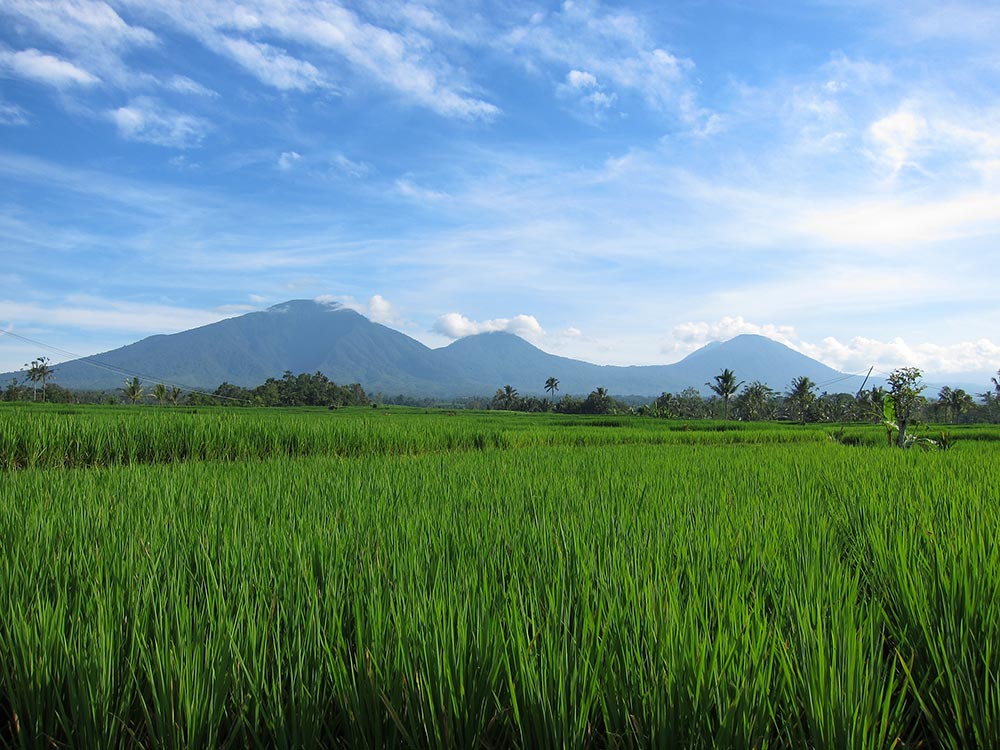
300 336
306 336
755 357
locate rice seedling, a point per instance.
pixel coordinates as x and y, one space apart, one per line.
299 581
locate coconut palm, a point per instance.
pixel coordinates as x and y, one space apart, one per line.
160 393
552 385
801 397
953 403
725 387
755 402
506 398
133 390
174 395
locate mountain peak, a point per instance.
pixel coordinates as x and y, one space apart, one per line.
304 306
300 336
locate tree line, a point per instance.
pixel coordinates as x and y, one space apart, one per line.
289 390
756 401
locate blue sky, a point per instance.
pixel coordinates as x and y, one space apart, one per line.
617 182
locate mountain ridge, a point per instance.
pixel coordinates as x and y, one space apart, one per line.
309 336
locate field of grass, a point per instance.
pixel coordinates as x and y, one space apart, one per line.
395 578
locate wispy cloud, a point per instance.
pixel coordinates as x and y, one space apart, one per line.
92 33
328 36
95 313
350 167
38 66
288 159
185 85
11 114
408 189
611 46
147 120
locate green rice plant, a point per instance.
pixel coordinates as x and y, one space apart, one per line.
557 587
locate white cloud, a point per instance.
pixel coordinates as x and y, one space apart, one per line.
79 24
687 337
584 90
860 353
897 136
613 48
90 31
895 222
579 79
349 167
272 65
11 114
408 189
184 85
147 120
38 66
455 326
93 313
378 309
325 35
855 355
288 159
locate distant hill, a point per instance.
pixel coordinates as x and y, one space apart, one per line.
306 336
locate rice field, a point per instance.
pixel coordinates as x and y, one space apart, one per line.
400 579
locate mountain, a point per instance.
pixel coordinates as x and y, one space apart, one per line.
306 336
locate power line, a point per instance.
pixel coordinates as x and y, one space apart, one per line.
117 370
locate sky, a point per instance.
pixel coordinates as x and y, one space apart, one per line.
616 182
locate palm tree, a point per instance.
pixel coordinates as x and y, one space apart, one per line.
160 393
725 387
552 385
801 396
954 403
133 390
506 398
174 395
996 384
39 371
755 401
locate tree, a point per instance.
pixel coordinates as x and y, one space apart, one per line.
996 385
903 398
506 398
39 371
12 393
801 397
755 402
133 390
552 385
953 403
160 393
174 395
598 402
663 406
688 404
725 386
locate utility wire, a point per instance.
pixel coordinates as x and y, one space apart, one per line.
117 370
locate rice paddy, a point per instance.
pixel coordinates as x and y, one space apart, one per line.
399 579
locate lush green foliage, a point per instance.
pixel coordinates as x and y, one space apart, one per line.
406 579
289 390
